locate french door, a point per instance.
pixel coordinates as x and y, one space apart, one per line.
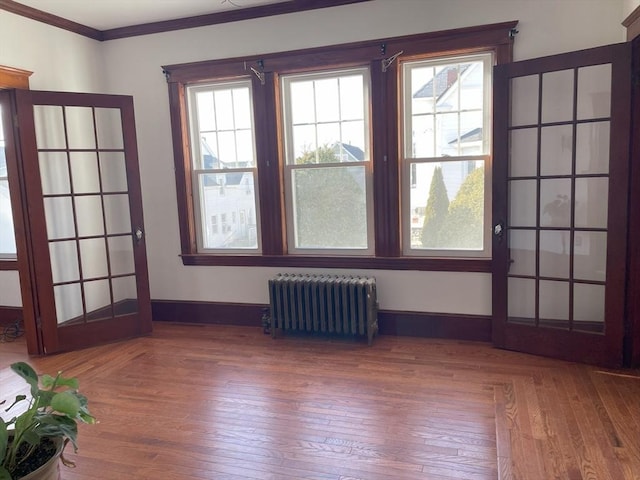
561 186
82 208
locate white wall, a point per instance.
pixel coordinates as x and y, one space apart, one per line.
132 66
59 60
546 27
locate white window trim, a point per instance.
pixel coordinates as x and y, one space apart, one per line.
199 213
406 141
289 167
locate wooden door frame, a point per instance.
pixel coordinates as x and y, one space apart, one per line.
632 327
21 226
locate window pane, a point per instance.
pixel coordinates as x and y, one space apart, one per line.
327 100
222 125
226 205
447 206
330 208
455 93
327 112
7 236
422 140
228 219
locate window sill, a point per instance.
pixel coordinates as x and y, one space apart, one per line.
8 265
378 263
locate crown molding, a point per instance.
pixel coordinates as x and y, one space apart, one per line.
632 23
281 8
50 19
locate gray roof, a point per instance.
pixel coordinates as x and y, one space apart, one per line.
444 80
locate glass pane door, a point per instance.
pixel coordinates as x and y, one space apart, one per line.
88 252
561 193
558 196
86 203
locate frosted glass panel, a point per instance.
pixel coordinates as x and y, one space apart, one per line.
80 127
592 148
125 294
64 261
591 202
556 147
588 307
590 256
554 253
89 215
114 172
93 254
522 200
109 128
121 255
522 248
49 127
97 296
59 217
116 210
68 300
523 158
557 96
54 173
84 172
554 304
524 100
522 300
555 203
594 91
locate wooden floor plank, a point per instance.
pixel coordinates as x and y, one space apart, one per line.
216 402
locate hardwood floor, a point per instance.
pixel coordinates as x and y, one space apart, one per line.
216 402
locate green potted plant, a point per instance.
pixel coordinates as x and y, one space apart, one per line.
32 442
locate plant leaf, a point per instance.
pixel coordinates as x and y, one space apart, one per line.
67 403
48 381
58 426
68 382
31 437
29 374
4 439
4 475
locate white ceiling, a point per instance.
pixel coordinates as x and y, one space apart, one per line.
107 14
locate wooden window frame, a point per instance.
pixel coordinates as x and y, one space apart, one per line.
264 71
12 78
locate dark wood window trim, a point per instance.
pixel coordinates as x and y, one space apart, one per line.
496 38
12 78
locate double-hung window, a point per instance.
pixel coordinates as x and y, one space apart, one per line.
445 160
327 170
373 154
224 173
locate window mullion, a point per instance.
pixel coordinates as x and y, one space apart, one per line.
385 148
266 118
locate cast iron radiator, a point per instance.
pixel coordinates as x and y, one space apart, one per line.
333 304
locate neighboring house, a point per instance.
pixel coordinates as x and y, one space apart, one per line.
229 204
446 99
348 153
